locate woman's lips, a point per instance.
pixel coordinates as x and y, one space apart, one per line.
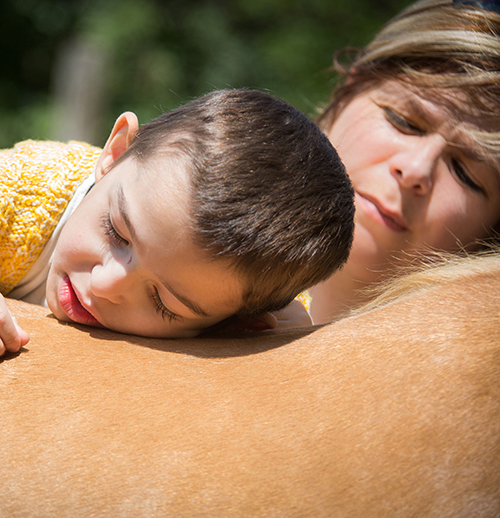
70 304
389 219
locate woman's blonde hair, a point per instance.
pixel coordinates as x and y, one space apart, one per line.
433 45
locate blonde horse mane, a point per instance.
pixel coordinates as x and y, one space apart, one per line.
437 269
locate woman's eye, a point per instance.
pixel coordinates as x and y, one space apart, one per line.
110 231
401 123
163 310
463 177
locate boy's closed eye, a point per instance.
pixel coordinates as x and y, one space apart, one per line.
110 231
115 239
163 310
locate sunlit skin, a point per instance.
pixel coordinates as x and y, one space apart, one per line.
420 185
129 255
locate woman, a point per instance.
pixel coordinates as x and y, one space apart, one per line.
417 124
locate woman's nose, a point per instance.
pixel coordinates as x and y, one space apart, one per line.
111 280
415 166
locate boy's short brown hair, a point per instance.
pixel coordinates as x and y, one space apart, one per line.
269 192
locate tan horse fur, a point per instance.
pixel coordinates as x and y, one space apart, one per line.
394 412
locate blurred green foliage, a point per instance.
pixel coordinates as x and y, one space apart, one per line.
161 53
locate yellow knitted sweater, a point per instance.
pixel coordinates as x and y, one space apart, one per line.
37 180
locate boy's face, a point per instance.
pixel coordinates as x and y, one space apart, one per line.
126 259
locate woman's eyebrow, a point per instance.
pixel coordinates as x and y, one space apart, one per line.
123 208
473 152
421 110
476 152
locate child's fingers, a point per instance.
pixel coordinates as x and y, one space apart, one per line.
25 337
12 337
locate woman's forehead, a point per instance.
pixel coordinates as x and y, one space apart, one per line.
476 128
462 105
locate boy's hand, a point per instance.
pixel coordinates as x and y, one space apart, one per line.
12 337
294 315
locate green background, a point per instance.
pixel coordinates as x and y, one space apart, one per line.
149 56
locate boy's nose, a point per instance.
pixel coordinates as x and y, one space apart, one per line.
415 166
111 280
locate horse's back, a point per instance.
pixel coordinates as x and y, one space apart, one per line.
395 412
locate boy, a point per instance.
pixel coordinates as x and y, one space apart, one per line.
229 205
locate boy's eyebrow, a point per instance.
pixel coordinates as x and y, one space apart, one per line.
188 303
122 207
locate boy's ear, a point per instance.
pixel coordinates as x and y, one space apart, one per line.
262 322
236 324
123 132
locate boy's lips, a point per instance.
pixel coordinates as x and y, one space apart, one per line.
390 219
71 305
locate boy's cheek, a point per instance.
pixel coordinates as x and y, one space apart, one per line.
77 245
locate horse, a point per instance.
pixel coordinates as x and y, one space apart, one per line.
393 411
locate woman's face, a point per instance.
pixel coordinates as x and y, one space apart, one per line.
420 182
